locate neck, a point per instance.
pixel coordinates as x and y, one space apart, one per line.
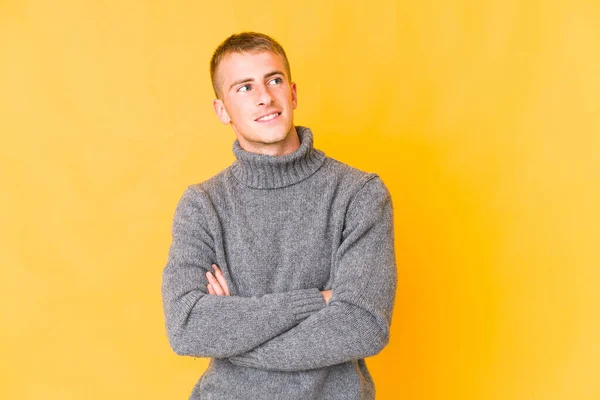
290 144
263 171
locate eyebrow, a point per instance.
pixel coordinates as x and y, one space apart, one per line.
244 80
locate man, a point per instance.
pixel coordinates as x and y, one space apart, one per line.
282 266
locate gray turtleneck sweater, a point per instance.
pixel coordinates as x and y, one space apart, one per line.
282 229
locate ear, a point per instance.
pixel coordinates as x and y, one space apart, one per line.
294 95
221 111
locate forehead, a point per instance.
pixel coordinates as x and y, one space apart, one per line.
236 66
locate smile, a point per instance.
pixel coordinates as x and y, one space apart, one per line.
269 117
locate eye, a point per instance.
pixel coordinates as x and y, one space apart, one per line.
276 81
244 88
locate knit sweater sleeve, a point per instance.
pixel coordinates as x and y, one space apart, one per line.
205 325
356 322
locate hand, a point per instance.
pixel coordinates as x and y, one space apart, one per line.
217 284
326 295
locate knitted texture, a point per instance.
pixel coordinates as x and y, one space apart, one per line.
282 229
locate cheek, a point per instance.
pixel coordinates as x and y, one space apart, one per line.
237 112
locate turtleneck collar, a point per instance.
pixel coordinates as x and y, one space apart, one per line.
270 172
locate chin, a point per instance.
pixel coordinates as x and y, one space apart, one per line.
276 135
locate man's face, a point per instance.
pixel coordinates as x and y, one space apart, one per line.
254 86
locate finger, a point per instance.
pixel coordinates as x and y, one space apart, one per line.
213 282
210 289
221 279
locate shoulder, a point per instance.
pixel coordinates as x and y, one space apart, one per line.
344 170
356 181
214 185
199 194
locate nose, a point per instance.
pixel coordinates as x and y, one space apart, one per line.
264 96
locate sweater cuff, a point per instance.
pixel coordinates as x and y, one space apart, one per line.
304 302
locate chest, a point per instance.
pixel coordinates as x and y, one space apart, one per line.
280 241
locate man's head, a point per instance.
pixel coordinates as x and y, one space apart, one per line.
251 78
245 42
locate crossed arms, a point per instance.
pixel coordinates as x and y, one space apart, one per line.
217 285
289 331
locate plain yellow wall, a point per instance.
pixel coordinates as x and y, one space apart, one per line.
482 117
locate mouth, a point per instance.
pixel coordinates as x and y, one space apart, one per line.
268 117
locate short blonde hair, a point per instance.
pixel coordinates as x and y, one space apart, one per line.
245 42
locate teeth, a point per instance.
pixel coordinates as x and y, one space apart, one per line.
268 117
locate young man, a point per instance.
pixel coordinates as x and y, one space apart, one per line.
282 266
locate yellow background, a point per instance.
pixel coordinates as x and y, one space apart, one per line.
482 117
